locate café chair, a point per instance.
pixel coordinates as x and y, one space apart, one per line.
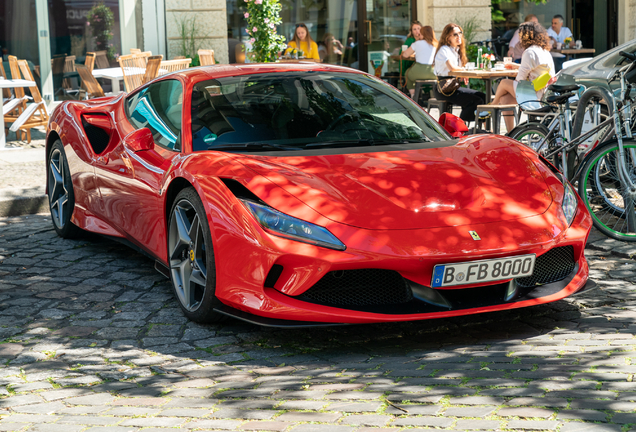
101 60
423 86
18 92
92 89
168 66
495 112
89 61
135 51
152 68
133 67
206 57
440 105
35 114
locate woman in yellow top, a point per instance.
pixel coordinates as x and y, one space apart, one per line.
302 41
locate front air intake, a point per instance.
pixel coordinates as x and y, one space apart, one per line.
554 265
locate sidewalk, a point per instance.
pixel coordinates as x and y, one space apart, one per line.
23 177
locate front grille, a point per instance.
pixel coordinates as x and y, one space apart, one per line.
552 266
364 287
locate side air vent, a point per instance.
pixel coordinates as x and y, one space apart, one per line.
239 190
97 137
273 276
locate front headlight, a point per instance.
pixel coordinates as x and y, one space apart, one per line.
286 226
569 203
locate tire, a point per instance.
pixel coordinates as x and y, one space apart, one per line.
191 259
604 194
530 135
60 192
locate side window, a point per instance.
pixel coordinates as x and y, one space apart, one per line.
158 107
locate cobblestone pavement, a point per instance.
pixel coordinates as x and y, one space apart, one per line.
94 341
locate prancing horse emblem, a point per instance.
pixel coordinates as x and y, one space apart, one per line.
474 235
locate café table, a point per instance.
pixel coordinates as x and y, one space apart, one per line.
573 51
9 83
113 74
487 76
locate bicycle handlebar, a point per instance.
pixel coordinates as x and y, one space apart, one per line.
627 55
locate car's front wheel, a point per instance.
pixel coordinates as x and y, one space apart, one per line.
191 258
60 192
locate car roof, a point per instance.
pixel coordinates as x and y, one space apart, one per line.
202 73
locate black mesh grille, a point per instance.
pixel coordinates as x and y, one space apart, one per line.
552 266
362 287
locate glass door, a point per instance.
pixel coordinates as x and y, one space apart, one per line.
385 29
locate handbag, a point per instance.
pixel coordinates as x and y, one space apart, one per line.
447 86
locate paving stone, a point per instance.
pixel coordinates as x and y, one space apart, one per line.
95 399
477 425
233 413
49 427
321 428
355 407
133 411
414 409
40 408
149 401
469 412
525 412
14 401
423 421
309 417
544 401
265 426
586 415
157 422
542 425
589 427
366 420
213 424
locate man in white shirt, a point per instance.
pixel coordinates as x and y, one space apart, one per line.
558 34
515 49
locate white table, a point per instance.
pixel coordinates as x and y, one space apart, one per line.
113 74
9 83
116 74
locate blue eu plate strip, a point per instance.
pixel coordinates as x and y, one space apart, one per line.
438 275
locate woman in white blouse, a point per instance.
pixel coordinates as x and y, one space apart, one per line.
424 50
451 56
536 61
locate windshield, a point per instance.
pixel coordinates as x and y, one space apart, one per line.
304 110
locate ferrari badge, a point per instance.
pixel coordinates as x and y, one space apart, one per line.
474 235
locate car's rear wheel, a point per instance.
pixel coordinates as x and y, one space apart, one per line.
191 258
60 192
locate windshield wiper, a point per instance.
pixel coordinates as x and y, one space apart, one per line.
368 142
252 146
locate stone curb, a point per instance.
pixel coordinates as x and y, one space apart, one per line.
19 206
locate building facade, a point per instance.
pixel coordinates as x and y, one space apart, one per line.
364 34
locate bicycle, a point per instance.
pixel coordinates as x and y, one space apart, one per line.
606 174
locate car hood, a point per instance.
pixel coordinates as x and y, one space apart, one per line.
484 179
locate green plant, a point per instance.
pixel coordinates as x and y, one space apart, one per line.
497 15
101 20
189 32
262 18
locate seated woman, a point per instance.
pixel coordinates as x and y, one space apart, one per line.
414 34
535 61
331 49
451 56
424 50
302 41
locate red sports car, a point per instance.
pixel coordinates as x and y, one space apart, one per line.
295 194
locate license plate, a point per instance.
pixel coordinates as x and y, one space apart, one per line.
483 271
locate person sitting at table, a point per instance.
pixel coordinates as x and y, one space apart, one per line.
558 34
415 33
451 57
515 49
302 41
424 50
330 49
536 61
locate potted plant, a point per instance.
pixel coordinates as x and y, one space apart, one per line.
100 21
262 18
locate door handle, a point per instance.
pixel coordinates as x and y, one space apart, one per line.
369 34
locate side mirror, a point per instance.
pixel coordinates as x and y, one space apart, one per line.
140 140
453 124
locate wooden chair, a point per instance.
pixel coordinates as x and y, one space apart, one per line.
152 68
101 60
206 57
36 114
6 93
71 86
174 65
89 62
134 69
18 92
135 51
89 83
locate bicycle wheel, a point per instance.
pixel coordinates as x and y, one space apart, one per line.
609 201
531 135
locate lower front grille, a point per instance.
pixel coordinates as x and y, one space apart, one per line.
552 266
364 287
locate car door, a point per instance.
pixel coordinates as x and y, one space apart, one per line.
130 179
